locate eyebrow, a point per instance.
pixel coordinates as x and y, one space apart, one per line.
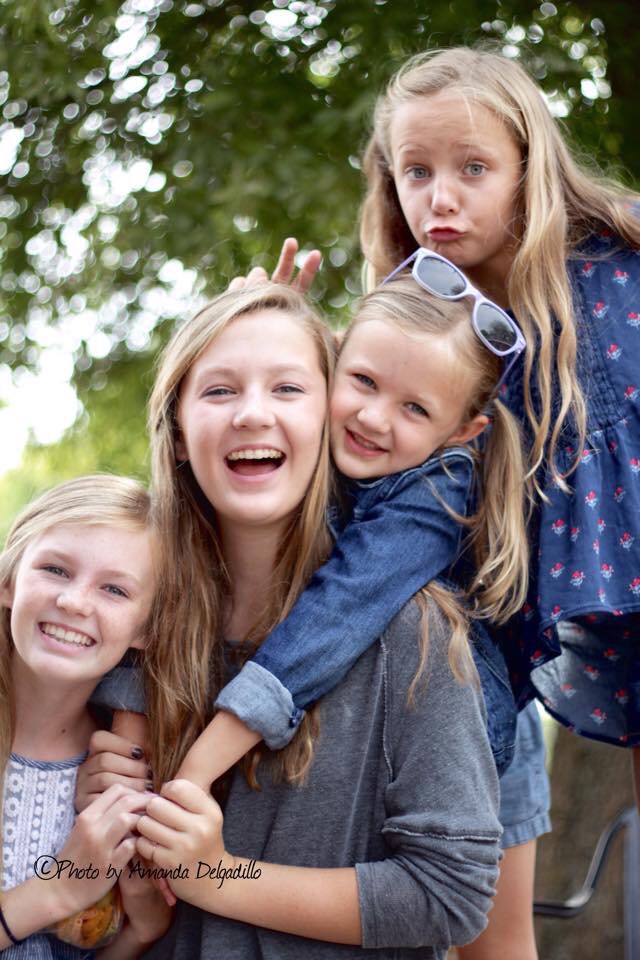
230 373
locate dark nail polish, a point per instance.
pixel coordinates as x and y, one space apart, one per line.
148 786
137 753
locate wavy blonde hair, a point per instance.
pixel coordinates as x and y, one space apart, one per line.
98 499
186 661
561 204
497 532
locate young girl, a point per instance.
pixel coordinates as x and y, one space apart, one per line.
77 582
385 857
465 159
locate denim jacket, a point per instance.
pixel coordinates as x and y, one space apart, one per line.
399 537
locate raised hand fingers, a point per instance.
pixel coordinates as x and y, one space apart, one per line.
285 267
255 277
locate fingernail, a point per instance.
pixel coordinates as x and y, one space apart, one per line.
148 786
137 753
149 773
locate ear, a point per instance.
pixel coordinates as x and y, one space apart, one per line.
469 430
6 597
181 450
139 643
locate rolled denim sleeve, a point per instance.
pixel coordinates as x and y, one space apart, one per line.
121 689
401 538
441 827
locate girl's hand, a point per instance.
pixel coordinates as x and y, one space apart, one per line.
284 271
101 841
181 829
111 760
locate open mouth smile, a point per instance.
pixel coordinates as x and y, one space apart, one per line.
360 445
72 638
255 461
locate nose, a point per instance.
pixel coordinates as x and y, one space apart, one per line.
444 196
373 418
75 598
254 411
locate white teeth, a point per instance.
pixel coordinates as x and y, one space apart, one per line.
366 443
67 636
267 453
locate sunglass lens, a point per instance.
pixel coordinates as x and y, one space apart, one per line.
495 328
441 277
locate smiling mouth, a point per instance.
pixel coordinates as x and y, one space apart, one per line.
367 445
70 637
255 462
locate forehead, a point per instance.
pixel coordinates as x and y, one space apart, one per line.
449 114
261 337
130 548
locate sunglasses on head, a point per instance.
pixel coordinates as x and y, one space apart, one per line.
493 326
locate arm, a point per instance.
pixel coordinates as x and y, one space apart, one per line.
379 561
147 915
101 836
184 827
441 830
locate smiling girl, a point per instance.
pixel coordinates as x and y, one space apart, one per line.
77 581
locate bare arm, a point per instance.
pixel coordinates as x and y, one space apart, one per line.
184 826
101 836
217 749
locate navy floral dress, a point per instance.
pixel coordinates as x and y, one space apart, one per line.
577 644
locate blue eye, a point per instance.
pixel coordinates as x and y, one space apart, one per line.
55 570
417 409
475 169
365 380
289 388
418 173
218 392
115 591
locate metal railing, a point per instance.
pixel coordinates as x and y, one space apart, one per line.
629 822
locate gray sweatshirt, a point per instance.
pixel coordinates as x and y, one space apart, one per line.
408 794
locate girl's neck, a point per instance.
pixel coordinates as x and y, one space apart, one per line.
250 555
492 277
52 720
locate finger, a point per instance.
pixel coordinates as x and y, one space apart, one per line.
158 833
308 271
188 796
286 261
102 741
237 283
97 783
169 896
256 277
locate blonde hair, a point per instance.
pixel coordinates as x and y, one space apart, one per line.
186 660
99 499
559 206
497 532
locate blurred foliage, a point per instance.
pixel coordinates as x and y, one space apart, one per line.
151 149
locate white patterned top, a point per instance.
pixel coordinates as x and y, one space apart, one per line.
37 818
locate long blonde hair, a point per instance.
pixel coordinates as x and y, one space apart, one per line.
99 499
561 204
497 531
186 660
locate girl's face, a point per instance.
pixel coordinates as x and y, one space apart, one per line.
251 414
396 399
457 171
80 599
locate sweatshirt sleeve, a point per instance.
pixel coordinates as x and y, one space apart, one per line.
405 539
441 826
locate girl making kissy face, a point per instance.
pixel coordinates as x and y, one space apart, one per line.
77 582
466 159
